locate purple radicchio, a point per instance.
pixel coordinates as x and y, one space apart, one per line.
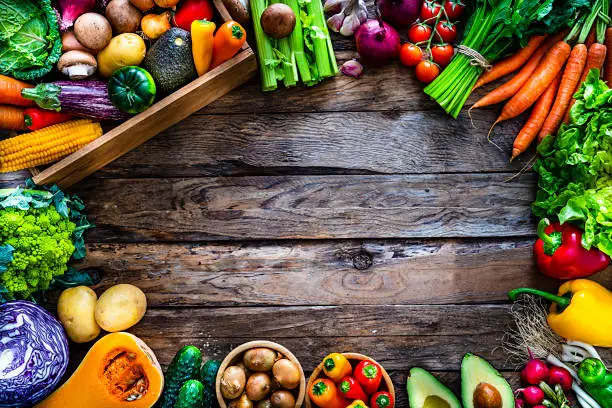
70 10
33 353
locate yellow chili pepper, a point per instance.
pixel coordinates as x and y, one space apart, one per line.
358 404
336 367
202 40
581 311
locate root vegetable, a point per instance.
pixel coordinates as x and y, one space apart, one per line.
75 309
264 404
233 382
143 5
123 50
93 31
399 12
259 359
242 402
560 375
278 20
154 25
258 386
377 42
123 16
533 395
535 371
120 307
166 3
282 399
286 373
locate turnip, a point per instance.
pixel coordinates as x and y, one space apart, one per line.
399 12
377 42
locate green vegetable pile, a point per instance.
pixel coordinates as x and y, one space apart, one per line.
307 53
30 42
575 168
40 231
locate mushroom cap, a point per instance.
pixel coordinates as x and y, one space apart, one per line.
77 64
239 10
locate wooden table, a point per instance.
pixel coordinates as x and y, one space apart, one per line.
352 216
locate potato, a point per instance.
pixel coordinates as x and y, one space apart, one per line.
120 307
123 50
123 16
233 382
259 359
75 308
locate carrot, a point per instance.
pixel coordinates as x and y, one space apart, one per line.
11 118
540 110
536 85
595 59
571 76
590 40
508 89
10 92
608 68
512 63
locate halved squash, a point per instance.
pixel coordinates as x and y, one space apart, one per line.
119 371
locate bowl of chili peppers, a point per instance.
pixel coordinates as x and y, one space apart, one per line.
350 380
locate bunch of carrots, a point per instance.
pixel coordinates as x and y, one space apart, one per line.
550 71
19 113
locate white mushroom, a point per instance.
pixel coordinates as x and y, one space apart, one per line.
77 64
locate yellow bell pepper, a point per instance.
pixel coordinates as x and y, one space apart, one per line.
336 367
202 40
581 311
358 404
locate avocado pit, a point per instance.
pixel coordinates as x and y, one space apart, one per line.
487 396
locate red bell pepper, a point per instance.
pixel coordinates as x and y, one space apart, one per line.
382 399
350 388
37 118
369 375
190 11
559 252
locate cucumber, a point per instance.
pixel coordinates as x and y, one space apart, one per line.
191 395
208 376
184 366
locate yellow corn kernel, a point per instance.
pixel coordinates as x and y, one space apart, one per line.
47 145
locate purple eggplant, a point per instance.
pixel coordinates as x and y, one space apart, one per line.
82 98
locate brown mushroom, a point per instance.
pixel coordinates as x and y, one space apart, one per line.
93 31
77 64
70 43
239 10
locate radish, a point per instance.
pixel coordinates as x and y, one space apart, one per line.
535 371
533 395
559 375
399 12
377 42
519 403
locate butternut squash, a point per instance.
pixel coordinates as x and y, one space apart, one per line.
119 371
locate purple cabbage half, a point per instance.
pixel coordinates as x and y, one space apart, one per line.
80 98
70 10
33 354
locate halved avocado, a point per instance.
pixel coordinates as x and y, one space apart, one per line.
425 391
482 386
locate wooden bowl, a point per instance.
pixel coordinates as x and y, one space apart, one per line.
354 358
236 355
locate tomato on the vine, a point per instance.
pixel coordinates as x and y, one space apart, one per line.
419 33
446 31
410 54
441 54
430 10
454 9
426 71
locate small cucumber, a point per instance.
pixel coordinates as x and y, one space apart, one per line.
184 366
191 395
208 376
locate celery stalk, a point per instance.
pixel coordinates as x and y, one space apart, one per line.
265 51
291 75
319 27
297 43
321 22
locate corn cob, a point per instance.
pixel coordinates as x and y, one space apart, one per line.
46 145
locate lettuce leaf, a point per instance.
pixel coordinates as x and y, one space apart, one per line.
575 168
30 42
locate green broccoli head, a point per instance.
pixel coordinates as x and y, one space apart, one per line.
42 245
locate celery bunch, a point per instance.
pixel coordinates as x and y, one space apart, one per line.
307 54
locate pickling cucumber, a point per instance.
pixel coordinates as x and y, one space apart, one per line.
191 395
208 377
184 366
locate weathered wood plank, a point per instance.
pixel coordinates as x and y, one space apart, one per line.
351 272
316 143
296 207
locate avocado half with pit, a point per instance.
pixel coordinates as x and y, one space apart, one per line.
425 391
482 386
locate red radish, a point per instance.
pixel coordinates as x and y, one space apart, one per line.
519 403
399 12
534 372
533 395
377 42
559 375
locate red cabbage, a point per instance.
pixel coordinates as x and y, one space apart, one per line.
70 10
33 353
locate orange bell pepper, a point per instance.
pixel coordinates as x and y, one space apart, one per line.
324 394
227 42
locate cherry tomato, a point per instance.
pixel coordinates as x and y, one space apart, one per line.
419 33
426 71
441 54
430 10
454 9
410 54
447 32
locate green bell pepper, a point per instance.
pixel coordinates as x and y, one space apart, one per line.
132 89
596 380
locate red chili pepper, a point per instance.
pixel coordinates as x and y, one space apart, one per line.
350 388
559 252
190 11
369 375
382 399
37 118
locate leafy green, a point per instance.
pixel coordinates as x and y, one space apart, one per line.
30 42
575 168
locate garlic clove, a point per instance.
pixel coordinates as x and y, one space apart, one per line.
334 6
350 25
336 21
352 68
362 12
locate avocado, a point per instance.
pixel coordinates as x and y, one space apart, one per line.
425 391
170 61
482 386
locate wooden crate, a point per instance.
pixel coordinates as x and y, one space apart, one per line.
163 114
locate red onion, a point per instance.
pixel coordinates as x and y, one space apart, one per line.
400 12
70 10
377 42
559 375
